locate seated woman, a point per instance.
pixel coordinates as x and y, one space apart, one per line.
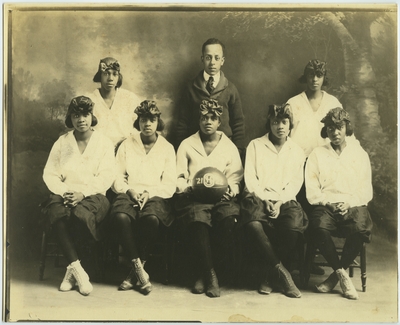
146 180
338 185
207 148
271 218
308 108
78 172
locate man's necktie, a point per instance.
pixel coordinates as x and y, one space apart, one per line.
210 85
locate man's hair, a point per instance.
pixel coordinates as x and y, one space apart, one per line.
213 41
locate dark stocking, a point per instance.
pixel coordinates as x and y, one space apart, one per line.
123 225
287 243
200 238
255 234
351 249
323 240
65 240
148 227
223 232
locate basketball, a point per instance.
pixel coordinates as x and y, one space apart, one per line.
209 184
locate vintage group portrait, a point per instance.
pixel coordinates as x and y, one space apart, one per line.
200 163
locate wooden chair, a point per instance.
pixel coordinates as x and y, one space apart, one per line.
313 256
85 247
49 248
164 249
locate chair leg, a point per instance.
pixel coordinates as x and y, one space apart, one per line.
99 249
363 262
301 258
351 271
171 240
309 259
166 250
57 258
43 253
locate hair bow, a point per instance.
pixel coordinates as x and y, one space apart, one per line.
210 106
80 104
147 107
280 111
111 65
336 116
317 66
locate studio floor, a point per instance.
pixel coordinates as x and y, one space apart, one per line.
34 300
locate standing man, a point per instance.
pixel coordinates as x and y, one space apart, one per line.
211 83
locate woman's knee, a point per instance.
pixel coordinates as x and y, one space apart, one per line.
150 220
120 218
253 227
228 223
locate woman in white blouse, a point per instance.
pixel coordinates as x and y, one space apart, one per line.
338 185
114 106
271 218
78 172
146 180
208 148
310 106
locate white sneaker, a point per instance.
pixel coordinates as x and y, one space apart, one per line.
69 281
81 277
347 286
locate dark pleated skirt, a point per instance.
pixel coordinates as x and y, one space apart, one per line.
92 211
357 220
157 206
188 210
291 216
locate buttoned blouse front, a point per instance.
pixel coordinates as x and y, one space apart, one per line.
154 172
333 178
90 172
273 175
191 157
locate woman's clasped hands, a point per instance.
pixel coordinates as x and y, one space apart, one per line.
273 208
71 198
140 198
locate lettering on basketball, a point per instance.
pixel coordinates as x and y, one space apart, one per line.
208 180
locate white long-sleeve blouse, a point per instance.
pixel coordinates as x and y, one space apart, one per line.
90 172
154 172
333 178
307 122
273 175
115 122
191 157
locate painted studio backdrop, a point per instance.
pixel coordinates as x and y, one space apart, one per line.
54 55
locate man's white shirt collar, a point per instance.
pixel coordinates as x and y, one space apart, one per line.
216 78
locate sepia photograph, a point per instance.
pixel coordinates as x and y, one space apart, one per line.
200 163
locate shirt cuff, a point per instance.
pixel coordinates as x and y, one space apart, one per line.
85 194
181 185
